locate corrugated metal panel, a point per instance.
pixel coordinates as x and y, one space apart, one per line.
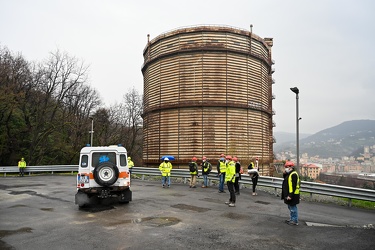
206 93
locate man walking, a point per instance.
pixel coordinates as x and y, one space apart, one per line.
290 192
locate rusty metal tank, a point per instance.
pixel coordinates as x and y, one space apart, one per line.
208 91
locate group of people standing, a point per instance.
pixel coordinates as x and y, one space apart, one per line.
229 171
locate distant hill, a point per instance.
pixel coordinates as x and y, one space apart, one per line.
345 139
283 137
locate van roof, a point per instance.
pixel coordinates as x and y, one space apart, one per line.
111 148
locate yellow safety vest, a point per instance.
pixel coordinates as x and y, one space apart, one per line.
222 167
230 172
22 164
290 184
165 168
130 163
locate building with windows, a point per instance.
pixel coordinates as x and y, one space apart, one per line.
310 170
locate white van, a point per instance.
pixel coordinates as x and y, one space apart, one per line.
103 172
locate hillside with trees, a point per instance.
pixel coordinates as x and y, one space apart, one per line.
345 139
47 107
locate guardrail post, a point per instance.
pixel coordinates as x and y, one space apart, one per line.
350 202
310 196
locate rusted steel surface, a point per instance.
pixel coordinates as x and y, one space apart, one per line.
207 91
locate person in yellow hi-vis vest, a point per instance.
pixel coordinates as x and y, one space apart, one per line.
230 178
130 164
165 168
290 192
221 168
22 166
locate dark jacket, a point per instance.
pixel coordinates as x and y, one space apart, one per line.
238 168
294 194
254 175
208 166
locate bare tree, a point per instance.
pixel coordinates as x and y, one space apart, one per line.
61 101
126 123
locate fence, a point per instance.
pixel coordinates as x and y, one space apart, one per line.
36 169
273 182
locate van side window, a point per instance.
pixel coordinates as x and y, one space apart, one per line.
123 162
84 161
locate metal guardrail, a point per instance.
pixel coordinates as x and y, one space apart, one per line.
273 182
36 169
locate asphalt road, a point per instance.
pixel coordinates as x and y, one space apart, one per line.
38 212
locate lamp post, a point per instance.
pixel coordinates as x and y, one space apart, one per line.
296 91
92 130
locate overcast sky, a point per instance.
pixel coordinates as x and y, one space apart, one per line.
324 47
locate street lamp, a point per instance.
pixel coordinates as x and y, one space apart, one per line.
296 91
92 130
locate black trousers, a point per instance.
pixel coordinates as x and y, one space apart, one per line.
22 171
232 197
255 182
237 185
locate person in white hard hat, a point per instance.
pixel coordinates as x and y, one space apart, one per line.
165 168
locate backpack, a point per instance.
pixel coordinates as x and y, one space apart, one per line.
209 168
192 167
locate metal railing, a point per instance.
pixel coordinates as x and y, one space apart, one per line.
273 182
39 169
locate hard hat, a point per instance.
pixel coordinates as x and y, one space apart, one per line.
166 159
289 164
194 158
129 158
222 155
235 158
228 157
204 158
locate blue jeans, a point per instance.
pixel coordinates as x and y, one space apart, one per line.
293 213
205 180
164 180
221 183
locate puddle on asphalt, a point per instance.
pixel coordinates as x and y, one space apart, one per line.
212 200
4 233
177 195
50 209
191 208
18 205
33 193
150 221
235 216
23 192
20 186
96 208
263 202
